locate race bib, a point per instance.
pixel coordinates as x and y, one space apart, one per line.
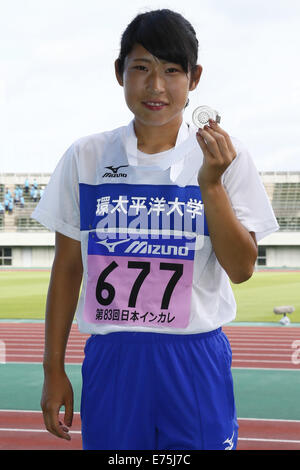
128 286
140 270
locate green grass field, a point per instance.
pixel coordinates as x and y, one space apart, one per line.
23 295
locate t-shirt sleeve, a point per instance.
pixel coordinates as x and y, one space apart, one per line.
247 194
58 209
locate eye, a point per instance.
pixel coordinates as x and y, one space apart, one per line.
172 70
140 67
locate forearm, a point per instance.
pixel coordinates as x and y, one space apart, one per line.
233 245
60 309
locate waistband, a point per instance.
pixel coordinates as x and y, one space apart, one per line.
150 337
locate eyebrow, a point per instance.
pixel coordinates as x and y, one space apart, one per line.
143 59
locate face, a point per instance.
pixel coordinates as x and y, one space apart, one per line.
155 91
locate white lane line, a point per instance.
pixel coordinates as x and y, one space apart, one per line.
33 411
254 439
285 441
31 430
280 420
262 361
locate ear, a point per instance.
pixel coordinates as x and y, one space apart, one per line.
118 76
195 77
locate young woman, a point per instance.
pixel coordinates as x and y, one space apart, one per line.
156 258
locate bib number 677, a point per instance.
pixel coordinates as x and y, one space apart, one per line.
144 266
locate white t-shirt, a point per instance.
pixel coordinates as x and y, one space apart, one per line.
147 256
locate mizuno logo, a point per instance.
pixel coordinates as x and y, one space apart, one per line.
114 170
112 245
145 247
230 442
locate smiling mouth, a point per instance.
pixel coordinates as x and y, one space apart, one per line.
154 105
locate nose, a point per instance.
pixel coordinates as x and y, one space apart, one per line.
156 82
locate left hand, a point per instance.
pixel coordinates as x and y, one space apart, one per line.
218 153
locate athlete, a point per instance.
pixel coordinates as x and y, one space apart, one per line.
152 221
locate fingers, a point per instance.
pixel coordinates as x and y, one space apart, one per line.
57 392
68 418
218 153
221 131
54 425
209 142
201 142
216 143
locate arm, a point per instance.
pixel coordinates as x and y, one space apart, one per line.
61 304
234 246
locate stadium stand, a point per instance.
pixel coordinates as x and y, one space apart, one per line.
23 199
27 235
283 189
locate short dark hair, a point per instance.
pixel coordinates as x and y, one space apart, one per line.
165 34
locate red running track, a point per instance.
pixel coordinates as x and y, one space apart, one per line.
24 430
252 347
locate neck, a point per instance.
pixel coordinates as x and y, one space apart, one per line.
155 139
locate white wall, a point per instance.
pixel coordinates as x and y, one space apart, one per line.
42 256
33 257
283 256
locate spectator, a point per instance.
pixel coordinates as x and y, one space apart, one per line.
6 201
10 206
35 195
1 209
26 186
22 202
32 192
17 195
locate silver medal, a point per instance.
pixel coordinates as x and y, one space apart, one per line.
202 114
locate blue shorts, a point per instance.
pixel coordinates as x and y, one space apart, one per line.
149 391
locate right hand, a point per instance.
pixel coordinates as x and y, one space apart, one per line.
57 391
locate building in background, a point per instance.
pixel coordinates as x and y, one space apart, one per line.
24 243
282 248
